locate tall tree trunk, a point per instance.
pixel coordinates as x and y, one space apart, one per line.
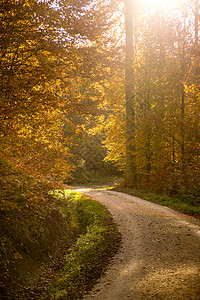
196 21
148 125
183 98
130 112
183 127
196 38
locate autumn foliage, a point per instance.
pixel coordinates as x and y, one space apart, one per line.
63 106
63 76
166 101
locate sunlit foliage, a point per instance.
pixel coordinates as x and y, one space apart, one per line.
166 70
50 69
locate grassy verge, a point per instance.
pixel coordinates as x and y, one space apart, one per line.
87 259
185 204
49 235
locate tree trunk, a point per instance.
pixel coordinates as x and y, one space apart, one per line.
183 99
196 21
183 128
130 112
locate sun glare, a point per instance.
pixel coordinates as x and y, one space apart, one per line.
160 4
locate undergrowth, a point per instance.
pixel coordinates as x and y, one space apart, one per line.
48 234
88 258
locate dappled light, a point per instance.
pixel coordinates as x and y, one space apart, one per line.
97 97
159 255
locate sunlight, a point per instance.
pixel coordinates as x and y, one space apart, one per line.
160 4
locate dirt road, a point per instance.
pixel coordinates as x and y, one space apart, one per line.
160 254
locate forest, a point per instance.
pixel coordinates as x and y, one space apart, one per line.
104 88
63 86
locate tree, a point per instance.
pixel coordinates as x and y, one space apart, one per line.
49 68
129 84
166 76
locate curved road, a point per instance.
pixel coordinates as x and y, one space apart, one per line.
160 254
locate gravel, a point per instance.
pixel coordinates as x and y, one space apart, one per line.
160 253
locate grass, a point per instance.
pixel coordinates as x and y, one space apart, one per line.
184 203
51 244
87 259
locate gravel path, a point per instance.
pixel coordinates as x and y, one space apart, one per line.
160 254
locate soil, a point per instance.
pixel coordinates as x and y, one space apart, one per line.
160 253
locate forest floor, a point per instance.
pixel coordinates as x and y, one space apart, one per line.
160 252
